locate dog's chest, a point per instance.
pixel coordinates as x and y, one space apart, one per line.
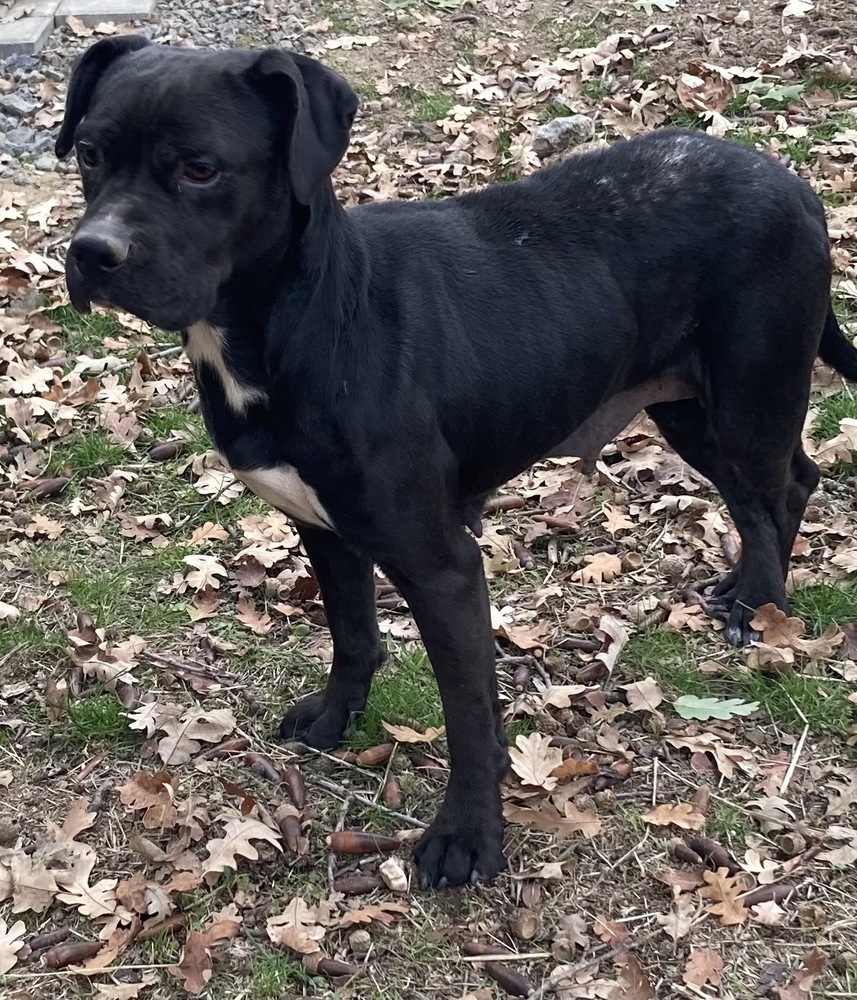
234 406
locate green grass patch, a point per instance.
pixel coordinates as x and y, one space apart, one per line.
727 822
824 603
94 453
790 698
520 727
665 655
404 692
166 422
427 105
581 38
831 410
819 80
95 719
26 635
83 333
273 974
594 90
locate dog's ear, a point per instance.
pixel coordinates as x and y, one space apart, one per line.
87 72
319 106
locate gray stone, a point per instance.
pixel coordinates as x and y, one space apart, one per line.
17 105
560 133
46 162
25 35
34 8
92 12
42 143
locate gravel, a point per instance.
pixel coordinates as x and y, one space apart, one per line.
194 23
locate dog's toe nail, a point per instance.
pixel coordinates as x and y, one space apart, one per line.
425 881
443 883
474 877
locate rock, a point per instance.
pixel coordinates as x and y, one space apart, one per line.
393 874
359 942
46 162
560 133
17 104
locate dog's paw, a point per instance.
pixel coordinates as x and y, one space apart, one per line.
312 722
450 854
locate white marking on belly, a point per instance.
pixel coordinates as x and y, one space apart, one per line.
205 346
283 488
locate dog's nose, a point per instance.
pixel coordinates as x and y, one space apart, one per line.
100 248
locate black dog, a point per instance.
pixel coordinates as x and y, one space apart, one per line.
376 373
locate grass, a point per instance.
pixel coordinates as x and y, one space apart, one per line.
594 90
831 410
823 604
87 455
666 657
727 823
83 333
273 974
794 700
427 105
404 692
96 719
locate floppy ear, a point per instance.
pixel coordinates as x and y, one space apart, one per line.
87 72
319 106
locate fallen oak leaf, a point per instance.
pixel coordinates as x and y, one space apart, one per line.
11 942
689 706
643 696
384 912
811 967
704 967
548 818
776 627
723 890
297 927
634 982
603 567
194 968
404 734
681 814
236 841
534 760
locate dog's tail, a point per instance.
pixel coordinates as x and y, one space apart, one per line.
836 350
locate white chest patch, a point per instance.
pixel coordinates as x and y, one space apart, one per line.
205 346
284 489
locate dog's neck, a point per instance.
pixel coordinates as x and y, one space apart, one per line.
311 280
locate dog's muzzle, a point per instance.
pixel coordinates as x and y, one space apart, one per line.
97 251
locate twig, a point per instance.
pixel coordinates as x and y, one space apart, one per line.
528 956
793 764
340 825
196 669
151 357
342 791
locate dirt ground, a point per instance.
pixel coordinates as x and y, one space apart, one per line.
682 816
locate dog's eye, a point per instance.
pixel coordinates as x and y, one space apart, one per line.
199 173
87 155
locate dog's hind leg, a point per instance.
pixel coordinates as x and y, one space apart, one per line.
346 580
765 478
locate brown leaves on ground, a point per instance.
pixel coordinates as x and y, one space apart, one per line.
801 983
681 814
703 968
299 927
11 942
195 966
237 840
534 760
603 567
724 890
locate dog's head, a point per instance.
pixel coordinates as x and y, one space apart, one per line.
192 165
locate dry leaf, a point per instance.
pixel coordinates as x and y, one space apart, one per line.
769 913
297 927
799 988
724 890
778 630
223 851
404 734
384 912
195 966
678 921
682 814
550 820
634 982
11 942
534 760
703 968
643 696
603 567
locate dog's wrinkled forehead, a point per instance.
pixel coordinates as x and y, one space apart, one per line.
183 99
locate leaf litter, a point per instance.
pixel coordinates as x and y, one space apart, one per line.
124 845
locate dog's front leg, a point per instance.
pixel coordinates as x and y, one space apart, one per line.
447 593
346 580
